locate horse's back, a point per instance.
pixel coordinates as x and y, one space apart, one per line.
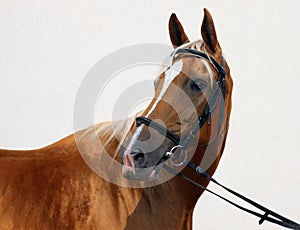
14 162
53 188
36 186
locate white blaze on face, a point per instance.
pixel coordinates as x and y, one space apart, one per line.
170 75
134 139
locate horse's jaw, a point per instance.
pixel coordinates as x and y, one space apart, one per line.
130 172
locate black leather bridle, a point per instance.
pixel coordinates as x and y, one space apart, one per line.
209 108
220 86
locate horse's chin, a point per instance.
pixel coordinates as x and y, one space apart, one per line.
139 174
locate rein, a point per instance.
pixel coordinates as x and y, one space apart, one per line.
220 85
268 214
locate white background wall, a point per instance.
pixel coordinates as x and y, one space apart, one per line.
46 48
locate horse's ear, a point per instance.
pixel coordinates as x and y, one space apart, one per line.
208 33
176 31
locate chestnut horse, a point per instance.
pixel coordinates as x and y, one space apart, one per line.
53 187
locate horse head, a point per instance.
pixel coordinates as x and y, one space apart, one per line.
194 90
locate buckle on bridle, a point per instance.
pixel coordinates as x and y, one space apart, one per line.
170 155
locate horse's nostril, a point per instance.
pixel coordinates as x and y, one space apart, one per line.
139 158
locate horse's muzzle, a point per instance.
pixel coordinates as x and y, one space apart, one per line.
136 166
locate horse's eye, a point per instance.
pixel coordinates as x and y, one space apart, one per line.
198 85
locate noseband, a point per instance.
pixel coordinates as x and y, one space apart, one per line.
209 108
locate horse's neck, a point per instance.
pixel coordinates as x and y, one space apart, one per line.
166 206
150 206
100 145
169 204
